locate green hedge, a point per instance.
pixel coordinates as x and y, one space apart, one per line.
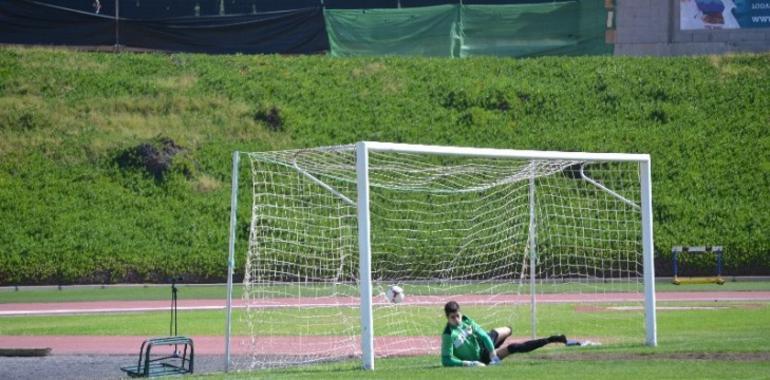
69 213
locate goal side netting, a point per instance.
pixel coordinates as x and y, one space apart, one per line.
543 245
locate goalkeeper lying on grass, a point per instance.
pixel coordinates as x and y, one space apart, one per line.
465 343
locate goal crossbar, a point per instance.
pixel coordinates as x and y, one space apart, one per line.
502 153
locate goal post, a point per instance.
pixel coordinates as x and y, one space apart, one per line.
495 229
650 324
231 255
365 255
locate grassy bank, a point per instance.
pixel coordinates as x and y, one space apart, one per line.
75 206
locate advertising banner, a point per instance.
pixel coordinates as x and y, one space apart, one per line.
724 14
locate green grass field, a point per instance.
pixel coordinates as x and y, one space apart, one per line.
714 329
731 341
713 344
646 366
128 293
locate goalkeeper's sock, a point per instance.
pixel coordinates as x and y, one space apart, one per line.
527 346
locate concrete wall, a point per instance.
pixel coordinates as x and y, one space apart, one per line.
651 27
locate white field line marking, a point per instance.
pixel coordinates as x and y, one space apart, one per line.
103 310
665 308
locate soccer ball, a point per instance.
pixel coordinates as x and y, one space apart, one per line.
395 294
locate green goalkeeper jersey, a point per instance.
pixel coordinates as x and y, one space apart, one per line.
463 343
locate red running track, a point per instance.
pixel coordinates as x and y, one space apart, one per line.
328 346
65 308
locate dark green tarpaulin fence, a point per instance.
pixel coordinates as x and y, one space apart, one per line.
518 30
428 31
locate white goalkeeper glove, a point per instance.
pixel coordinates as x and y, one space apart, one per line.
494 360
473 364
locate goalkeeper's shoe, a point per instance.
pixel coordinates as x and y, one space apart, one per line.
558 339
585 343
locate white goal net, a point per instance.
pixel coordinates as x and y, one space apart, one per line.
544 242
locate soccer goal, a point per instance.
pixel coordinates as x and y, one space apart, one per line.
544 242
